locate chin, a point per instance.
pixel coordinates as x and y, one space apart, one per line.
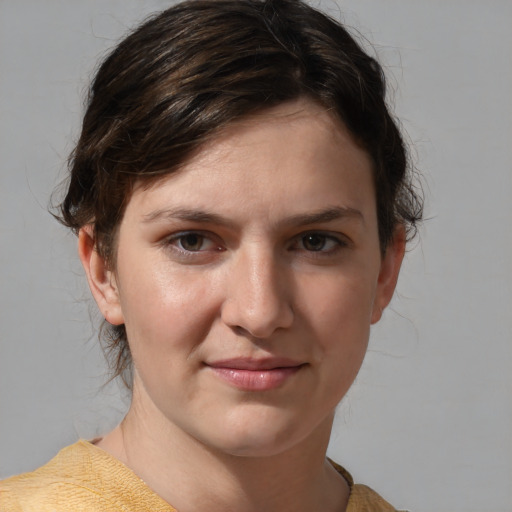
255 446
264 435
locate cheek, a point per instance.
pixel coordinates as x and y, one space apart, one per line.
343 327
164 310
339 301
339 313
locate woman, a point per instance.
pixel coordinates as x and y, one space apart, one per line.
242 202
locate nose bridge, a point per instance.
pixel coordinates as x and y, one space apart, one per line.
258 297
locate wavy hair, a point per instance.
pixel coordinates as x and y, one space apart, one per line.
200 65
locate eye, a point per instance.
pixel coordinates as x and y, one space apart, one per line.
318 242
314 242
193 242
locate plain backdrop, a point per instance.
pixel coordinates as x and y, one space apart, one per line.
428 422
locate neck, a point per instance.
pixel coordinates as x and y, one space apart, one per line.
192 476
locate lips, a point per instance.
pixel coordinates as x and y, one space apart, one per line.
255 374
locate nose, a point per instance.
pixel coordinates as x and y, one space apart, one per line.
258 295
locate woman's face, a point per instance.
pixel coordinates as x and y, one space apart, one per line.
248 282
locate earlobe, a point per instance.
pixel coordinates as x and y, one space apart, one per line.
101 279
389 271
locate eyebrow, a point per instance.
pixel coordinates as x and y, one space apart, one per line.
325 215
328 214
187 214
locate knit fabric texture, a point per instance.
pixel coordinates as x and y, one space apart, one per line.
85 478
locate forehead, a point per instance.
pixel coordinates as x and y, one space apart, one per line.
293 151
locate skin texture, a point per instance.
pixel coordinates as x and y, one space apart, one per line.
262 253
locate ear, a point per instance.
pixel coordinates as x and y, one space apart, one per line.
388 275
101 280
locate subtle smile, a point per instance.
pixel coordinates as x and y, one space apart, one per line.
255 375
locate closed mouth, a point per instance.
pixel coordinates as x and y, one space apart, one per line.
255 364
255 374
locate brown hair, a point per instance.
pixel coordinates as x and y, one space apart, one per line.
202 64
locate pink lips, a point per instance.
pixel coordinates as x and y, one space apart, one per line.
255 375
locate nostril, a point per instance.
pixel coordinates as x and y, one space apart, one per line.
257 303
255 334
240 331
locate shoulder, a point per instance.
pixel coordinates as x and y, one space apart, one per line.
79 478
363 498
68 482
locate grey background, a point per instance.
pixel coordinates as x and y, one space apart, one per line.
428 422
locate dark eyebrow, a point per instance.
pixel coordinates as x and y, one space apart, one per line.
187 214
303 219
326 215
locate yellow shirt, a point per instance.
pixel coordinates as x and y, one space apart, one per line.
85 478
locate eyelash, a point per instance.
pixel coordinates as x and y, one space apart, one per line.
176 241
335 243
